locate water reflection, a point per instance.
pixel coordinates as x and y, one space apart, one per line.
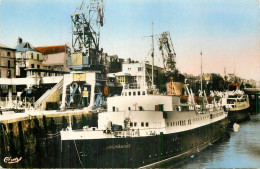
240 150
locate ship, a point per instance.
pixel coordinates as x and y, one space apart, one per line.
143 128
237 104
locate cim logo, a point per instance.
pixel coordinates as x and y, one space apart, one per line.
10 160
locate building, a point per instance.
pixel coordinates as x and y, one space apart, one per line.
55 57
7 66
27 57
133 73
112 63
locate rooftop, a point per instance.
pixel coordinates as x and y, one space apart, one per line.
51 49
25 46
5 47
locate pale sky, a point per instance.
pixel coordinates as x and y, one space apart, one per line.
227 31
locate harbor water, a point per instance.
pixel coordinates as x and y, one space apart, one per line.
239 149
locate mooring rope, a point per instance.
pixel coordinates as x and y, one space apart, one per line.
78 153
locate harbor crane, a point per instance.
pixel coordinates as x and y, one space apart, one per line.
168 53
86 22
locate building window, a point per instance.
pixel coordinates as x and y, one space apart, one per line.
32 65
129 108
131 124
134 93
140 69
142 124
31 55
135 124
147 124
8 54
9 64
38 66
139 93
9 74
38 57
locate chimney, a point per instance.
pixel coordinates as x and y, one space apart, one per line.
20 40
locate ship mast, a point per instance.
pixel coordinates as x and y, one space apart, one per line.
201 71
152 55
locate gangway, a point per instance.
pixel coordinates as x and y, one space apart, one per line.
47 94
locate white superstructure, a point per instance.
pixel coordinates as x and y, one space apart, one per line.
142 112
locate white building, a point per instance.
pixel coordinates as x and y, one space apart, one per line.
134 73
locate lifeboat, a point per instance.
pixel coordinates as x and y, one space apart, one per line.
210 99
183 99
198 99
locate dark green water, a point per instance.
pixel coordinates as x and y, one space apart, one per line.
240 150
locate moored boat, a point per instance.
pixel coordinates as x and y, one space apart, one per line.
142 128
237 105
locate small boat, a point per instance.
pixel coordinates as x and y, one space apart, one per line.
237 105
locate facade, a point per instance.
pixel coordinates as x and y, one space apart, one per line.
55 57
112 63
7 66
134 72
210 82
27 57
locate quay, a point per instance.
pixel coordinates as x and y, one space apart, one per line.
35 137
11 117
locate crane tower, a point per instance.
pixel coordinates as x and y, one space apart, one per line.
168 53
86 23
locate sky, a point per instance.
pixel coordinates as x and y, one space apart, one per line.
226 31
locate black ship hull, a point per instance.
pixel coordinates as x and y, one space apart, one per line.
139 151
238 116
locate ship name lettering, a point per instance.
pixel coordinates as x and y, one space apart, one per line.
118 146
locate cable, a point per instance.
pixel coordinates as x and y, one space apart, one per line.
78 153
